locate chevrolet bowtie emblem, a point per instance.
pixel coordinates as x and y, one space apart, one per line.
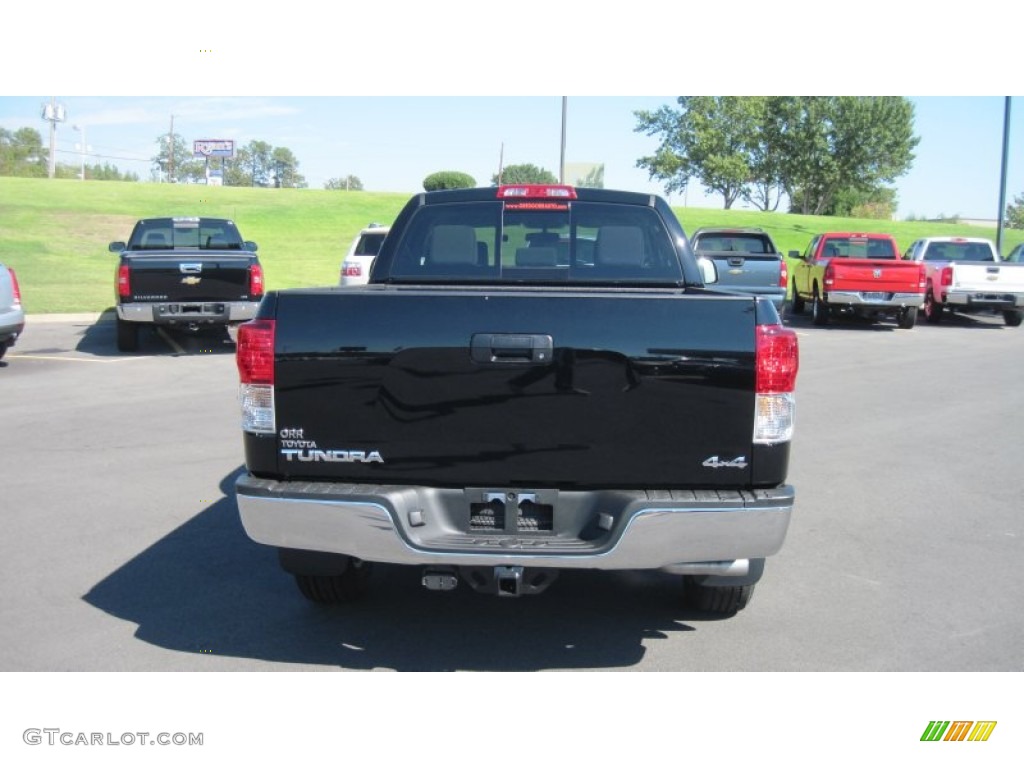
191 280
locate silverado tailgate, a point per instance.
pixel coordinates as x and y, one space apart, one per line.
746 270
478 387
1001 276
181 276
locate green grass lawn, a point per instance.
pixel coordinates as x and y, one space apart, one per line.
54 232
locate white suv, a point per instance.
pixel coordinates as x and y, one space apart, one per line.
355 269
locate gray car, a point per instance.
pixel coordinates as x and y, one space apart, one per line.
12 316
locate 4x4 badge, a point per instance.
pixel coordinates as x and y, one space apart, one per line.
716 463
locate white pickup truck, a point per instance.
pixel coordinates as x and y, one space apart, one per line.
967 274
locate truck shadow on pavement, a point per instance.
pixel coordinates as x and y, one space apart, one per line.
206 588
99 340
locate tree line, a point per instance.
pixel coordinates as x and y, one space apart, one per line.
257 164
828 155
22 154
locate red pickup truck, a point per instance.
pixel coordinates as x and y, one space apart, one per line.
858 273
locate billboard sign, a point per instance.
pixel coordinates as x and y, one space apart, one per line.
213 148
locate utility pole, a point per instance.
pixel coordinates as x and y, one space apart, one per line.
53 113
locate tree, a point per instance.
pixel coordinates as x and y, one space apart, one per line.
448 180
524 173
710 138
174 162
252 166
753 148
878 203
22 153
349 182
1015 213
286 168
766 186
837 143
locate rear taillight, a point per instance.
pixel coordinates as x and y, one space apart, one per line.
784 275
922 280
255 281
946 278
353 269
14 288
124 281
254 356
830 275
778 360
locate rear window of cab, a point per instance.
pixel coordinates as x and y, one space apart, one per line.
859 248
536 242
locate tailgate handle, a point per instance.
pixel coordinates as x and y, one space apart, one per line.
511 348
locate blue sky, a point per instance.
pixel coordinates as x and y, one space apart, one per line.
391 143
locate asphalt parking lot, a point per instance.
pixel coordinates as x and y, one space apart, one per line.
123 549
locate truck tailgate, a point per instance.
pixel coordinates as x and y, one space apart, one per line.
183 278
615 389
989 277
883 275
746 270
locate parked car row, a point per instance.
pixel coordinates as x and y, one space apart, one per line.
839 274
194 272
862 274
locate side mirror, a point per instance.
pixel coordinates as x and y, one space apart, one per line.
249 245
708 270
116 247
794 254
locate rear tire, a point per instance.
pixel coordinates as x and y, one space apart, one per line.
723 601
127 336
335 588
908 318
1012 317
797 307
3 349
932 309
819 309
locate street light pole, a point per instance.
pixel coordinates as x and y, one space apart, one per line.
1002 178
561 171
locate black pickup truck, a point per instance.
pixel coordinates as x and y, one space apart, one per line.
534 379
188 272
